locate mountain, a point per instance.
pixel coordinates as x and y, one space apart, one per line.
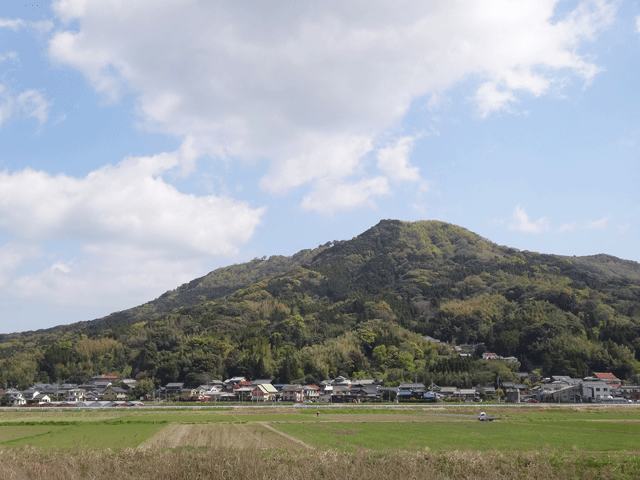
362 308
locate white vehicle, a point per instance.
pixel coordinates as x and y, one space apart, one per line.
484 418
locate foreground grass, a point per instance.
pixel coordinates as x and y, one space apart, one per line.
219 463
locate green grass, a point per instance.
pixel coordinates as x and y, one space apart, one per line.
13 432
94 436
592 433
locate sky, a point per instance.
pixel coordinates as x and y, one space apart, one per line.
144 144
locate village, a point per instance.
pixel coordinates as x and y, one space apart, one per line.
102 391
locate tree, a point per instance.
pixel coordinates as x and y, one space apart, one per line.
142 388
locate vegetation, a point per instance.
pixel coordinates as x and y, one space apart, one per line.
360 443
361 308
226 463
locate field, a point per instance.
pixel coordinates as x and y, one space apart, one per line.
425 442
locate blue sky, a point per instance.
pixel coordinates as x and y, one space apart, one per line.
144 144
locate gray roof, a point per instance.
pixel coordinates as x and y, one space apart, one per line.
118 389
411 385
261 381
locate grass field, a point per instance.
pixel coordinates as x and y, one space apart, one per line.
569 442
584 429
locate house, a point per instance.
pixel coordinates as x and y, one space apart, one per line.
15 397
489 392
231 383
410 387
561 380
34 397
595 391
609 378
113 394
348 398
341 381
17 400
74 395
339 390
190 394
264 392
207 389
630 392
129 383
366 393
312 393
92 397
260 381
292 393
567 394
171 389
363 382
448 392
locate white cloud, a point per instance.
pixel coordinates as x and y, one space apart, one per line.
490 99
394 161
520 222
567 227
105 277
32 103
137 235
328 197
14 24
597 224
29 103
127 204
11 256
300 84
600 224
324 157
13 56
638 23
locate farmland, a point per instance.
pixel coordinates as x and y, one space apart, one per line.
560 442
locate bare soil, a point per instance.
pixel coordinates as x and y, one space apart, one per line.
240 436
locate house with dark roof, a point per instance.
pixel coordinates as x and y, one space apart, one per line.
113 394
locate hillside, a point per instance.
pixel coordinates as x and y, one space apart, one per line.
361 308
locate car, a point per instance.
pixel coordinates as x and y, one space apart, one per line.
483 417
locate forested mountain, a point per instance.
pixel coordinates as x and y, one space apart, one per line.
361 308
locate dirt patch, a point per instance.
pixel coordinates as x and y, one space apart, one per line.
288 437
240 436
346 432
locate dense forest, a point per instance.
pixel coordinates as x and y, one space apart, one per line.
361 308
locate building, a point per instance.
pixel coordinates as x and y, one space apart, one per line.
264 392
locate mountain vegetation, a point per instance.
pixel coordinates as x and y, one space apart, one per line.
361 308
